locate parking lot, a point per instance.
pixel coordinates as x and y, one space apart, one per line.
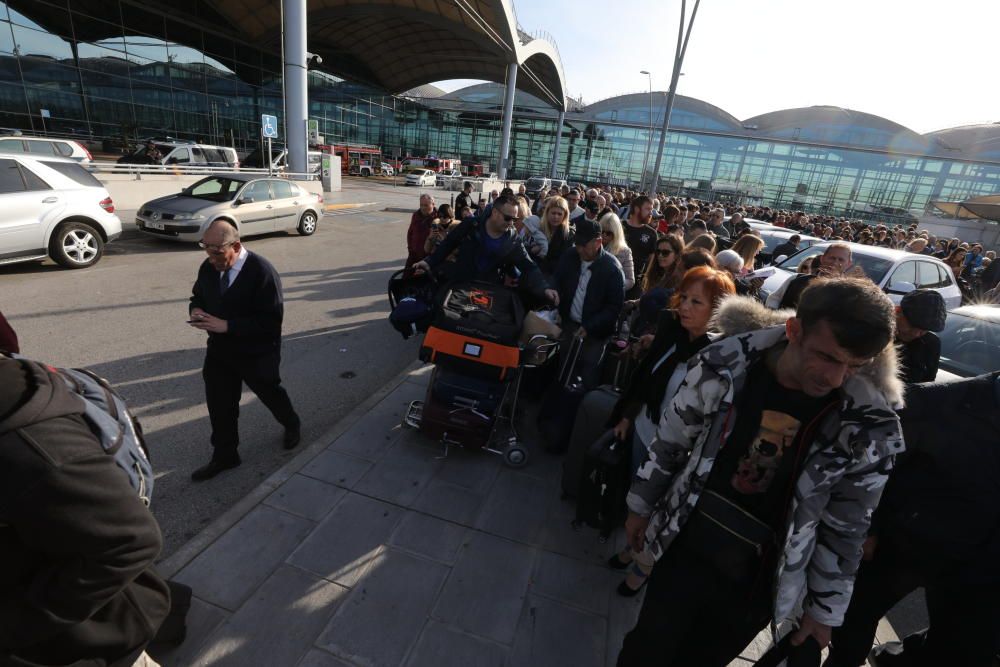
125 318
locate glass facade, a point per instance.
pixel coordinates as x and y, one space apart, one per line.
128 72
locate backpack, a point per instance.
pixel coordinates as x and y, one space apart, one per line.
110 420
119 432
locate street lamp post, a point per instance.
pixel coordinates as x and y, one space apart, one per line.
649 139
682 43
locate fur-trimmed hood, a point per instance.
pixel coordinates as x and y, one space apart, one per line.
742 314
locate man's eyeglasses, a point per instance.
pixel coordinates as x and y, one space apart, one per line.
511 218
214 248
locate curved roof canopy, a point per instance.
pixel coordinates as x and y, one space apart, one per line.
399 45
688 112
836 125
973 141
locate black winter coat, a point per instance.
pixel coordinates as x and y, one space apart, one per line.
467 239
76 544
943 494
252 305
920 358
605 292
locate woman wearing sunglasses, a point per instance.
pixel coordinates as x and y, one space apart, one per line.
613 237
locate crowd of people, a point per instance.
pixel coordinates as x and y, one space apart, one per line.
761 439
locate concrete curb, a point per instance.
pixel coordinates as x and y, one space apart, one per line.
170 566
341 207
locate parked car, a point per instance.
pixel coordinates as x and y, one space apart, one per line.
53 207
895 271
279 160
970 341
558 182
387 169
420 177
537 184
776 236
42 147
186 154
256 204
446 178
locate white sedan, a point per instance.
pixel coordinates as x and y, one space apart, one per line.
421 177
895 271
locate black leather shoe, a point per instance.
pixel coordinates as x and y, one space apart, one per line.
627 592
292 437
213 468
615 563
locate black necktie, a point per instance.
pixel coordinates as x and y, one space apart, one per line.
224 281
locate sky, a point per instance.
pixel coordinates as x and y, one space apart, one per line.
926 65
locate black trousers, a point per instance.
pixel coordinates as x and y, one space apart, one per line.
224 376
964 618
693 616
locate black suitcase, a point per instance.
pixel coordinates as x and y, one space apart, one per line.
591 423
557 413
604 483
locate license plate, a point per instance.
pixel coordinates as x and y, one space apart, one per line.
155 225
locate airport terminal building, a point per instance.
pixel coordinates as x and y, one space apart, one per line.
111 71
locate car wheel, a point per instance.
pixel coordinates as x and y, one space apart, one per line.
76 245
307 224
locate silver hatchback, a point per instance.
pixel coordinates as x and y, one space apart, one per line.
254 204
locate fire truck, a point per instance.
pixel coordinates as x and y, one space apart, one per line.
357 159
431 162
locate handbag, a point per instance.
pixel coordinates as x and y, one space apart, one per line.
727 536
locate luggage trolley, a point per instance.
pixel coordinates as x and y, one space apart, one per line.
471 400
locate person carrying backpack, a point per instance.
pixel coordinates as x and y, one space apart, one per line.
77 585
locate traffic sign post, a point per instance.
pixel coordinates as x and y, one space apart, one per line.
269 128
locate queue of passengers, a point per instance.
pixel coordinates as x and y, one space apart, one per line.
761 440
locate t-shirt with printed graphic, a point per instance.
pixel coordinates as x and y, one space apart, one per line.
755 467
642 242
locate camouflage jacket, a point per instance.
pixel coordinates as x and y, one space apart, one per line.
842 478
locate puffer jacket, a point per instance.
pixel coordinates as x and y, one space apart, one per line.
842 477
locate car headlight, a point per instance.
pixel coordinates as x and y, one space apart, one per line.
188 216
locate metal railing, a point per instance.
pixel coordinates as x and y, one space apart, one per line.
140 170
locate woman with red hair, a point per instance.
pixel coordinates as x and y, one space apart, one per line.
680 333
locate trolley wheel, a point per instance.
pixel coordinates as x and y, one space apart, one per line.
515 456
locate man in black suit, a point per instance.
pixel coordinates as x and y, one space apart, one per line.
788 248
237 300
591 295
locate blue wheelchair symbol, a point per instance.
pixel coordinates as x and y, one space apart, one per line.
269 126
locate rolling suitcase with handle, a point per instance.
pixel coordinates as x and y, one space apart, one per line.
561 403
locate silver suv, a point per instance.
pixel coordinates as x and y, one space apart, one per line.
43 147
53 207
255 204
183 154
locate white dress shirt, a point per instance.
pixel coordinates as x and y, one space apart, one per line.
576 310
236 268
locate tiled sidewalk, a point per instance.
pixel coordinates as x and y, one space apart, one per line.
372 550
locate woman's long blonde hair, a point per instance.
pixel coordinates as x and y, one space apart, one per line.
747 247
555 202
611 223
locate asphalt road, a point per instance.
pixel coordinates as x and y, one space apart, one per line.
125 318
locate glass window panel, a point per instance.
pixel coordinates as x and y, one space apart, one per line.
35 43
11 145
41 148
32 181
10 177
6 39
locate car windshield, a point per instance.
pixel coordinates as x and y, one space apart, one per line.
536 182
214 188
969 346
874 267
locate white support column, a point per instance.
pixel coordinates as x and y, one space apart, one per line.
508 117
296 85
555 148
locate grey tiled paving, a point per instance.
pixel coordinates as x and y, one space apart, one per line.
486 590
305 497
387 611
378 552
232 568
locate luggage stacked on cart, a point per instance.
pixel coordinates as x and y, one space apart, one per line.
473 343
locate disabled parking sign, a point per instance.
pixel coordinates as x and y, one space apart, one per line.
269 126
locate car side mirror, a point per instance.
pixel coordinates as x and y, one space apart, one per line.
900 288
245 200
172 160
779 260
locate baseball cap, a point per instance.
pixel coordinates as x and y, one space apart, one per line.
586 231
925 309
